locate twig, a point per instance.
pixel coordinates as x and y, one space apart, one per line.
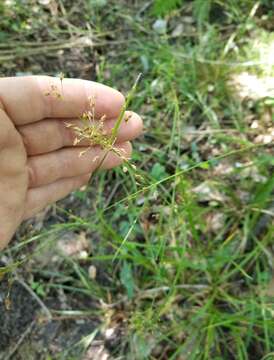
24 52
51 47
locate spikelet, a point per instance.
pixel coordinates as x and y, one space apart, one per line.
54 91
92 130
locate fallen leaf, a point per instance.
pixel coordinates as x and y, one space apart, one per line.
207 191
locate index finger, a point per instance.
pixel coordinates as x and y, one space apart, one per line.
32 98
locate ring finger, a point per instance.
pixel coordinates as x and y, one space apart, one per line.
65 163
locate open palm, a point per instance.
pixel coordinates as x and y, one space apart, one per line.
38 163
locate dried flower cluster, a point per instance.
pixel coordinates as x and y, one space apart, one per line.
54 91
93 131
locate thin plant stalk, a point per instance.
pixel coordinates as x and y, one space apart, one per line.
118 123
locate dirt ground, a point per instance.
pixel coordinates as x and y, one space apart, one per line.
24 325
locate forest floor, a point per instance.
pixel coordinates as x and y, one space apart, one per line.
180 266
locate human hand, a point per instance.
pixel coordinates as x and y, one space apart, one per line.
38 163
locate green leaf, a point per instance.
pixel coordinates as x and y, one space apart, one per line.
164 7
205 165
126 277
158 171
38 288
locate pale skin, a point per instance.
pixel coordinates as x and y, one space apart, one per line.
38 162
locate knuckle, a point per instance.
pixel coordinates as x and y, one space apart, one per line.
32 174
25 138
65 135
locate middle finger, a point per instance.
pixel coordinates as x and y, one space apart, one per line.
52 134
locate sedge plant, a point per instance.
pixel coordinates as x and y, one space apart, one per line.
93 131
